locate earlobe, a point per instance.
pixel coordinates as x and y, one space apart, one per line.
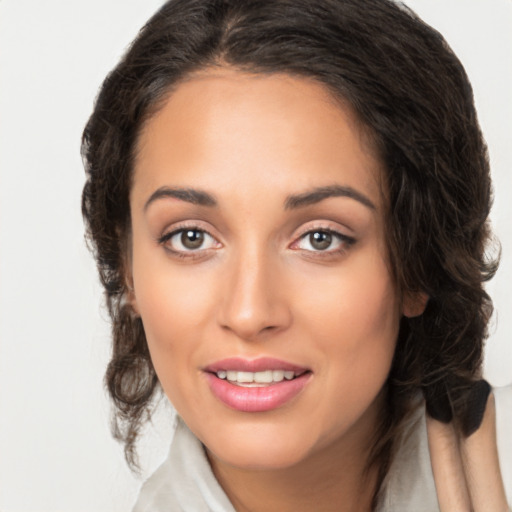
132 300
414 304
129 296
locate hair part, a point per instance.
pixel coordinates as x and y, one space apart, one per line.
410 94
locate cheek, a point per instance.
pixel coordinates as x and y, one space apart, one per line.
167 294
354 324
353 306
172 305
170 311
170 317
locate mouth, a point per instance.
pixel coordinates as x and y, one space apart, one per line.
257 379
256 385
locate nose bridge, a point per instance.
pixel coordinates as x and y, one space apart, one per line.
252 303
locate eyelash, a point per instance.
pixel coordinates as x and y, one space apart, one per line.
167 237
345 242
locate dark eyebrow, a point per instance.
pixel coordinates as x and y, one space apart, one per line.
319 194
189 195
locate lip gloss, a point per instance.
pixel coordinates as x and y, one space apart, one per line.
255 397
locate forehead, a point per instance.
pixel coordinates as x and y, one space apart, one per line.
224 128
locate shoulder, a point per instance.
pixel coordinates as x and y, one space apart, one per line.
156 492
185 481
409 484
503 399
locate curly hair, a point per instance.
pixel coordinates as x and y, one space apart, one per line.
411 95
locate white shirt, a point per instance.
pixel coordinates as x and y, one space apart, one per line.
185 481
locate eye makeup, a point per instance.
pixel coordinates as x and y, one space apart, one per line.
192 241
188 241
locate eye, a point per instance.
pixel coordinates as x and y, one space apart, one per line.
188 240
323 240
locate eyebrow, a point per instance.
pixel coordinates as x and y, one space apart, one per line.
189 195
202 198
320 193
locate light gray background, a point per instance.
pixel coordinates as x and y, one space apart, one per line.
56 453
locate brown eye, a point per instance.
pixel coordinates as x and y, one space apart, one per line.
320 240
325 241
188 240
192 238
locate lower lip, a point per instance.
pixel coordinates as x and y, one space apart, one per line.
256 399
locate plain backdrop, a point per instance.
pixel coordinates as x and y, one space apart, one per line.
56 453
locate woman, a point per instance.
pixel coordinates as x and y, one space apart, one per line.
288 204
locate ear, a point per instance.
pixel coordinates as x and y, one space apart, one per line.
414 304
130 297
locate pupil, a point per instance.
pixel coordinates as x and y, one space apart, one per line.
320 240
192 239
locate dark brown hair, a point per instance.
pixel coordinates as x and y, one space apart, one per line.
410 93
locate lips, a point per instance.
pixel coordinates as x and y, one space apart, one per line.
256 385
253 365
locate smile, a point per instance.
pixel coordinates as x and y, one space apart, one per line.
256 386
256 379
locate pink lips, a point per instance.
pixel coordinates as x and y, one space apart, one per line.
256 399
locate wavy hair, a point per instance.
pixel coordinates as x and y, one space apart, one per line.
411 95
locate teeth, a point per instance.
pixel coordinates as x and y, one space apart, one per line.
263 377
245 377
255 378
278 375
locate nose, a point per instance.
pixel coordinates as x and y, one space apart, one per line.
255 301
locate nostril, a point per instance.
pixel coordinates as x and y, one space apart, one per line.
252 304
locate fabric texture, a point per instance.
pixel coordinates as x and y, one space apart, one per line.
185 482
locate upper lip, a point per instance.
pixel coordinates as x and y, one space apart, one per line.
254 365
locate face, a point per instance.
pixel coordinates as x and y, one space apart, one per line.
259 267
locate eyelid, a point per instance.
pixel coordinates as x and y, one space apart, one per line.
191 223
346 240
322 226
175 229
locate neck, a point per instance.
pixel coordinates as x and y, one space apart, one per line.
334 478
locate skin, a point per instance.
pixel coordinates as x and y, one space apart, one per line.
258 287
467 471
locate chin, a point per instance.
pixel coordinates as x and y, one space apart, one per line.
260 449
256 459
